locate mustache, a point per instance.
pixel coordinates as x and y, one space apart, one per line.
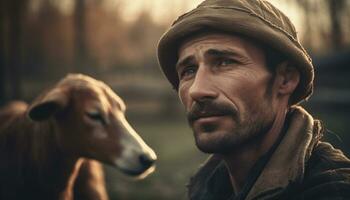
208 108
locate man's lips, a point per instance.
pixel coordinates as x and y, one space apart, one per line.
208 118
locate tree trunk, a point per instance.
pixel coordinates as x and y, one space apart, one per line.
80 37
335 10
2 53
15 46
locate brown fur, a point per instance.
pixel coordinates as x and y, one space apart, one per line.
34 163
89 184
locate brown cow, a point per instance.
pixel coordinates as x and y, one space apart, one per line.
44 147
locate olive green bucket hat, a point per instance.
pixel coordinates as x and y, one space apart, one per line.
256 19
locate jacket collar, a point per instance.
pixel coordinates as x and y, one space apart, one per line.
286 164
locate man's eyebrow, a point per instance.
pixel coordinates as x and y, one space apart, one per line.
221 53
187 60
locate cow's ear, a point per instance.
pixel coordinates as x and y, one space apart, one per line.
47 106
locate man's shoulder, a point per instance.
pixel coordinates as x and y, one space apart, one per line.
327 174
326 159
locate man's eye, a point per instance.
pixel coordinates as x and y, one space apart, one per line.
188 71
226 62
96 116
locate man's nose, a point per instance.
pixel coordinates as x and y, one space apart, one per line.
202 86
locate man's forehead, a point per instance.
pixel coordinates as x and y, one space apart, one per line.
204 42
204 39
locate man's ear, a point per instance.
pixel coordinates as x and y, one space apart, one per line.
288 78
48 105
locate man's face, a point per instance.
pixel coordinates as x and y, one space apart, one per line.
227 91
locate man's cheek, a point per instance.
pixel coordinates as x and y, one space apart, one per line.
184 98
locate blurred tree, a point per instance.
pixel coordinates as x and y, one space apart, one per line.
336 9
14 47
80 36
143 35
12 24
2 52
105 34
49 42
326 23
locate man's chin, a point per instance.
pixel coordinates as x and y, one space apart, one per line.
219 141
206 149
211 144
210 148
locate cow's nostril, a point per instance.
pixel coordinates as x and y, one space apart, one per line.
146 160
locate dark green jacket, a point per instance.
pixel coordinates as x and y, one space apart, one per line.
298 166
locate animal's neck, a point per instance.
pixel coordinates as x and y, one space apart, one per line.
36 160
59 168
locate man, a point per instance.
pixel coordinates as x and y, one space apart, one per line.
240 72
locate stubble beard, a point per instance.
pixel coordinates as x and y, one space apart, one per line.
246 130
242 134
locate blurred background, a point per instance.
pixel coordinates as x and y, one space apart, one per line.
115 41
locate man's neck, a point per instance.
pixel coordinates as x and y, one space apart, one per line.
241 161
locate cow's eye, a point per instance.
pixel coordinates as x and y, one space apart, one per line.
96 116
